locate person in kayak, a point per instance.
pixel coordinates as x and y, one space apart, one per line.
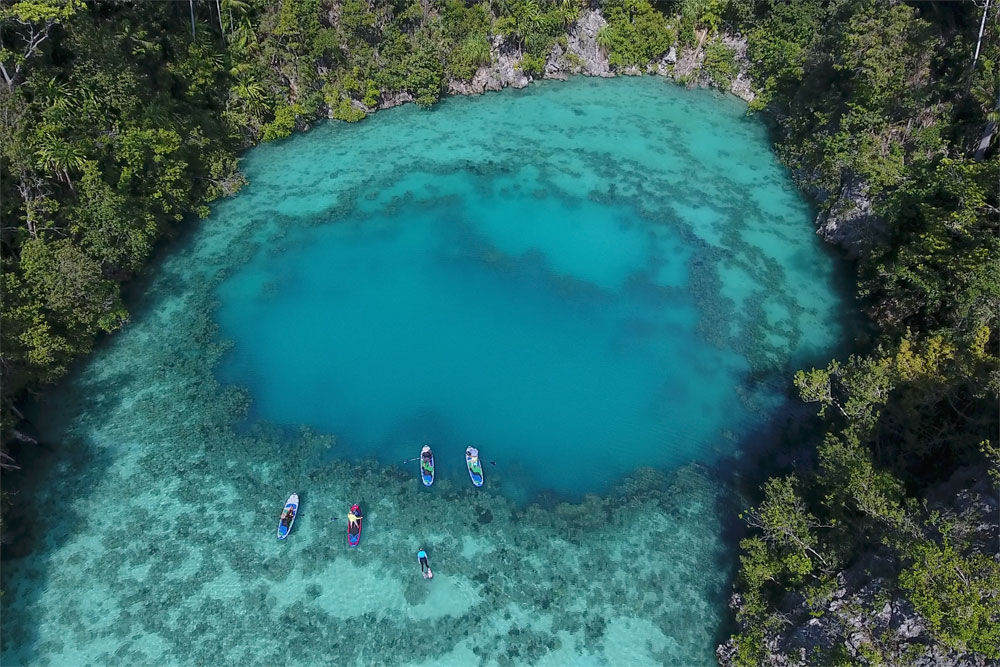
425 568
353 519
286 518
425 460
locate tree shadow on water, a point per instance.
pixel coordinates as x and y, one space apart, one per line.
32 531
776 447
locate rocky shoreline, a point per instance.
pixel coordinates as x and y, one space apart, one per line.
845 219
581 54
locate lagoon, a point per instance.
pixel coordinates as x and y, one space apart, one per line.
602 284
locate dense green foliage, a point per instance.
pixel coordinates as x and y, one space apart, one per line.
955 594
886 94
111 135
636 33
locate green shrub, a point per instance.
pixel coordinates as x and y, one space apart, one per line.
283 123
347 111
636 33
958 596
531 65
720 64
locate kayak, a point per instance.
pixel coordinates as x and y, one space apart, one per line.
474 465
427 466
354 530
288 515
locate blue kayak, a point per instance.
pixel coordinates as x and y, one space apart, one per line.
288 515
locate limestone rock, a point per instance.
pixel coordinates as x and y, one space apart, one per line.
581 55
689 64
506 62
582 42
390 100
500 73
741 86
849 221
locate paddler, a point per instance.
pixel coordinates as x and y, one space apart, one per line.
353 519
425 568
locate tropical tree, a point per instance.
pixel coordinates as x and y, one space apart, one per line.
24 27
59 156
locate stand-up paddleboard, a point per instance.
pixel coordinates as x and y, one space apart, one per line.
288 515
427 465
474 465
354 529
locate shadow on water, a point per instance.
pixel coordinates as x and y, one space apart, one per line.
785 444
777 447
31 530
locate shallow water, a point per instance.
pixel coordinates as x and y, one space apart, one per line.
587 279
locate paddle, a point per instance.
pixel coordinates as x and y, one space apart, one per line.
415 458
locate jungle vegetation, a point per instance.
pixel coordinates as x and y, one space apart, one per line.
123 120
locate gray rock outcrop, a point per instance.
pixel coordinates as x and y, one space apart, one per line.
741 86
581 55
849 220
588 57
390 100
688 64
502 71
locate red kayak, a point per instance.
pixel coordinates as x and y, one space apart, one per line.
354 529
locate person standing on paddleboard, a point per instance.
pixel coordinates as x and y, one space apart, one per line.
425 568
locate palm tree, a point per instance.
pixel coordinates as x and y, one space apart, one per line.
51 90
59 156
526 18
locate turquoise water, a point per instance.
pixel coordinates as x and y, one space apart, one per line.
601 284
574 286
